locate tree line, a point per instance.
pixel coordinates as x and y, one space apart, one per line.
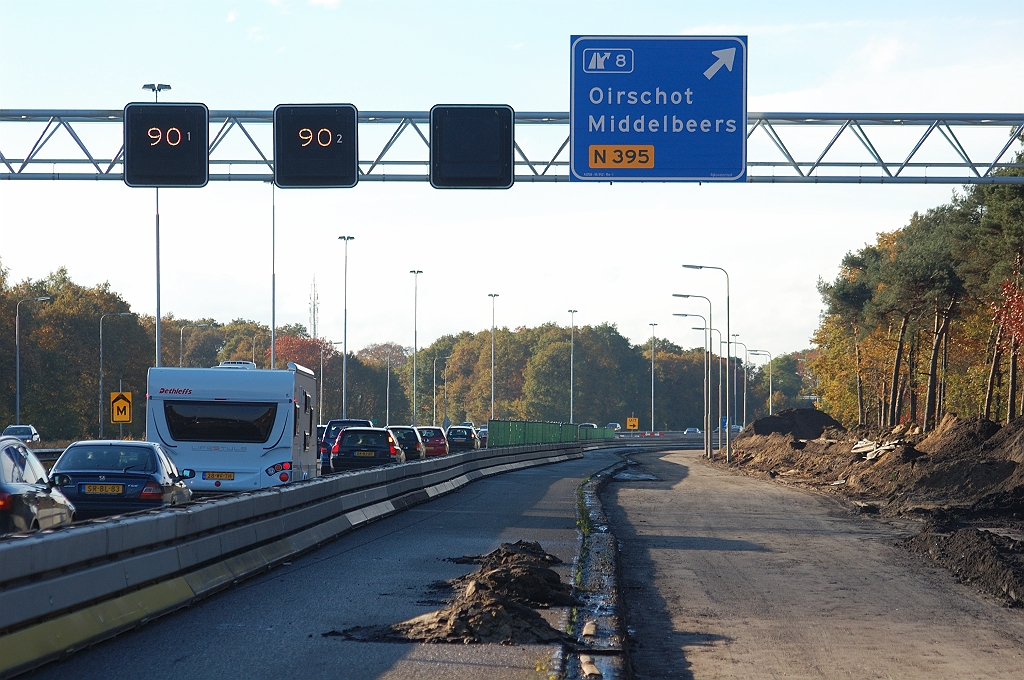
929 319
60 367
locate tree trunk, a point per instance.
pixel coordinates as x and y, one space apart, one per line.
860 380
893 396
912 377
931 404
986 410
899 400
1011 384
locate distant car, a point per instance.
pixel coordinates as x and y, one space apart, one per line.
614 426
25 433
468 423
482 435
434 441
692 430
364 447
114 477
589 426
462 438
332 432
28 499
410 441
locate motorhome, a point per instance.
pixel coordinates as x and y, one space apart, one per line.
239 427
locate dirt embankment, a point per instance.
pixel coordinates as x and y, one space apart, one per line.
966 477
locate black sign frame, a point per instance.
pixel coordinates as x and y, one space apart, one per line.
152 135
456 163
337 169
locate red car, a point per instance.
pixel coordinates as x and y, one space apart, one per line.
434 440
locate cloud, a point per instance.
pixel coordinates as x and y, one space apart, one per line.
255 34
232 16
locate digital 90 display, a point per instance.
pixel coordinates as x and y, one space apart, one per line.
316 145
471 147
166 145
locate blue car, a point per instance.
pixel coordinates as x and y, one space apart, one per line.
115 477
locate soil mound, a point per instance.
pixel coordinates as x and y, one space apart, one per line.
495 603
993 563
958 437
800 423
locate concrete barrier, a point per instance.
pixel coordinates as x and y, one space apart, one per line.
68 588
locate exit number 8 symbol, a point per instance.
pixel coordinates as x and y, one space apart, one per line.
620 60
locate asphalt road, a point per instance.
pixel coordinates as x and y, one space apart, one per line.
725 576
271 626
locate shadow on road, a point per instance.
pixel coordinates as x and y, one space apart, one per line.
656 649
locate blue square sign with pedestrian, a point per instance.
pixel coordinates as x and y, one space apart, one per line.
658 108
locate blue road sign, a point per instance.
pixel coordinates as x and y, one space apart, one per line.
658 108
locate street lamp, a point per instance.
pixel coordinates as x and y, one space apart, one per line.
762 352
156 89
652 325
572 348
745 359
720 342
17 354
102 317
415 347
728 413
344 334
181 339
492 296
707 382
709 323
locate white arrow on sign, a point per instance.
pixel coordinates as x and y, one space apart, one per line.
725 58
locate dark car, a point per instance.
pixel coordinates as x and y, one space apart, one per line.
410 441
26 433
482 434
462 438
434 440
28 499
329 441
114 477
363 447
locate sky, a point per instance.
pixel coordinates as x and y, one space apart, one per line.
612 252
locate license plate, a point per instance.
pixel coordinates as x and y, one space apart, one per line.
104 488
366 454
219 475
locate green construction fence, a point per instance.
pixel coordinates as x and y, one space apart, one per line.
519 432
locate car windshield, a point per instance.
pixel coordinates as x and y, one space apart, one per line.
18 431
458 432
430 432
337 426
220 421
107 457
406 436
376 439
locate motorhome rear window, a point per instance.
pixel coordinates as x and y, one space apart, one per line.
206 421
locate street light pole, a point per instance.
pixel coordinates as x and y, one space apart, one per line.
652 325
728 413
433 395
572 351
709 323
492 296
157 88
707 380
415 347
745 360
102 317
720 371
344 334
17 354
444 376
770 386
181 339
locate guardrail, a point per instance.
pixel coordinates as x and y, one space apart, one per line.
65 589
502 433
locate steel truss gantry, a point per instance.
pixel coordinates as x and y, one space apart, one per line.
915 148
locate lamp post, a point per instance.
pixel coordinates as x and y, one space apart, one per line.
710 323
652 375
720 342
156 89
415 348
17 354
728 414
492 296
181 339
102 317
444 376
770 386
572 351
707 381
344 333
745 359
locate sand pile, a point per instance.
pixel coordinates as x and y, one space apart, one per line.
494 604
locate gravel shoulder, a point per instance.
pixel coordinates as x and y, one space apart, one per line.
724 575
